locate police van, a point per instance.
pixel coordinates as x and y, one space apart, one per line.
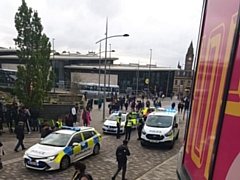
63 147
160 127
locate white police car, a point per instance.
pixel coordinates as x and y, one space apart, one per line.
63 147
161 126
110 125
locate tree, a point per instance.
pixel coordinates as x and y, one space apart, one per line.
35 79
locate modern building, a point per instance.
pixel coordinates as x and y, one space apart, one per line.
129 77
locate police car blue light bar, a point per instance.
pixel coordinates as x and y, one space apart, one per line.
170 110
71 128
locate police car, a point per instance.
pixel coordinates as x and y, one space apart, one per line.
110 125
161 126
63 147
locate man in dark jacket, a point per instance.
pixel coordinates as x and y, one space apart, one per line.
19 130
121 154
45 131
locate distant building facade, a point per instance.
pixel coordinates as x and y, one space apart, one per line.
183 77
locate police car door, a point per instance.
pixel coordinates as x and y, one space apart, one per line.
77 150
88 139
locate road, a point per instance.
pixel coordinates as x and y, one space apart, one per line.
142 164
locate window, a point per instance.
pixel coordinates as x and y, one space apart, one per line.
76 139
176 82
182 82
184 73
88 134
188 83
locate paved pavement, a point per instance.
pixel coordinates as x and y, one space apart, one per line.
144 163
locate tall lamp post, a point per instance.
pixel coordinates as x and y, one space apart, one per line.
105 63
149 75
54 67
99 69
109 66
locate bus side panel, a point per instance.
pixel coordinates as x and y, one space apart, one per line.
227 164
218 32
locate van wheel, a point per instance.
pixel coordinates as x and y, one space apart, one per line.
65 162
142 144
177 135
96 149
172 144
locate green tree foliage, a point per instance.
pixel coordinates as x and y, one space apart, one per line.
35 79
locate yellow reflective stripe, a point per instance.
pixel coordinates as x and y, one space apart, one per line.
59 157
90 142
77 149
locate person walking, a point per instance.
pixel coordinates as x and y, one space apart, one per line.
86 117
121 156
119 120
20 136
73 112
128 127
140 126
99 104
80 173
1 154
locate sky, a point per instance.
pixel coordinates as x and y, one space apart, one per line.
166 27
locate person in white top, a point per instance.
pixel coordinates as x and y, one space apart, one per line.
74 114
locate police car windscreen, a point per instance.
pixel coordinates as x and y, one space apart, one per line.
56 139
113 117
159 121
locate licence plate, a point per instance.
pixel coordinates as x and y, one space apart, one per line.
32 163
154 141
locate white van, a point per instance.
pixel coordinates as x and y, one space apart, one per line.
161 127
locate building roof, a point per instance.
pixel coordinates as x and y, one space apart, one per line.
122 67
65 57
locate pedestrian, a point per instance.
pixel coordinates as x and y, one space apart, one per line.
140 126
86 117
46 131
99 103
119 120
173 105
73 112
1 154
121 156
128 127
69 120
126 105
80 173
9 118
59 123
19 130
35 115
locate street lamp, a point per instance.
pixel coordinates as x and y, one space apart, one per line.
149 73
99 68
105 63
53 63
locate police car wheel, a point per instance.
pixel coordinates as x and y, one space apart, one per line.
142 144
96 149
65 162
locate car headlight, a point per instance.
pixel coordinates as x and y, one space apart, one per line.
169 133
51 158
143 132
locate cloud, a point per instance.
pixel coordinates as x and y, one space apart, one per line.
167 27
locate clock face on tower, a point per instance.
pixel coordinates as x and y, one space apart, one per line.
189 58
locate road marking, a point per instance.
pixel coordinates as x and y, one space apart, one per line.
156 167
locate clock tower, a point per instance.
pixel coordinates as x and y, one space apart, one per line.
189 58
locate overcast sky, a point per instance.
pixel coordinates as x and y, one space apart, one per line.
166 27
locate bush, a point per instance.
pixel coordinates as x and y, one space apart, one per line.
8 90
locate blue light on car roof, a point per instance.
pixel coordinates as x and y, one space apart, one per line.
71 128
170 110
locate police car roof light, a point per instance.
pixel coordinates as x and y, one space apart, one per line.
71 128
170 110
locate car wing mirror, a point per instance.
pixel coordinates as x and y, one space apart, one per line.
75 144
